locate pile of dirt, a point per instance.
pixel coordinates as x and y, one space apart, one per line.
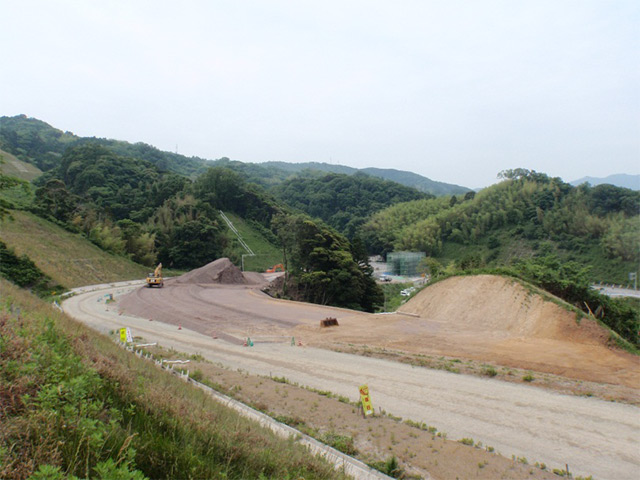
218 271
502 307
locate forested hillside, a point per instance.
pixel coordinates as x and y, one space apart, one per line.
37 142
344 202
526 214
153 206
128 206
408 179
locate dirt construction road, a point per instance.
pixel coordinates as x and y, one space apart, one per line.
592 436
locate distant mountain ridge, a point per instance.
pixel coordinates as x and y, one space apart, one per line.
403 177
619 180
36 142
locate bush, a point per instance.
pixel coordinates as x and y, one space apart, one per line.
24 273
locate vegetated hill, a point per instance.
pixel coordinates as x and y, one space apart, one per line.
525 215
343 201
38 143
619 180
128 207
408 179
416 181
68 258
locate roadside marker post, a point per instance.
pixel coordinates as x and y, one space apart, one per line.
365 398
125 335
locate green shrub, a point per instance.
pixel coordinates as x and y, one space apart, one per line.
24 273
489 372
343 443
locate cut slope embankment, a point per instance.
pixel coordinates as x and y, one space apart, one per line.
491 319
490 303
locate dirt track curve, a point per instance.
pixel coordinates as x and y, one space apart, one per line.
594 437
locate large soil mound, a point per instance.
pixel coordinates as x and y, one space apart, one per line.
502 307
218 271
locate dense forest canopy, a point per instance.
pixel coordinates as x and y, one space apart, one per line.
36 142
344 202
129 206
524 213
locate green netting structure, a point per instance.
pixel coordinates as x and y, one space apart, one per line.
405 263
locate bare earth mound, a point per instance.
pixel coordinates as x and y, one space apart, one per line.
490 319
501 307
218 271
484 318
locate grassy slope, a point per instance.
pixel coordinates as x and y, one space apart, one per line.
267 254
69 259
81 388
75 403
17 168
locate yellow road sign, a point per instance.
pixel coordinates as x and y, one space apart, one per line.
367 406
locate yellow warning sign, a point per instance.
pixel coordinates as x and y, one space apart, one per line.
367 406
125 335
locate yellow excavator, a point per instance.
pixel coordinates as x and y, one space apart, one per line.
154 279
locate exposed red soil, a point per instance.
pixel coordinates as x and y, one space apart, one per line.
486 318
219 271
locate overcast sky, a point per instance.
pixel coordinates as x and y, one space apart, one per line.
453 90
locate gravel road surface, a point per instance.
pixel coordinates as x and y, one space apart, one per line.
592 436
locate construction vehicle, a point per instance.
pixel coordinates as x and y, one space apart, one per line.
154 279
276 268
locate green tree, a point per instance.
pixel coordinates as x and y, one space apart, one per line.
54 199
194 243
321 265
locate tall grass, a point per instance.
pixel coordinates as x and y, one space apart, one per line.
73 403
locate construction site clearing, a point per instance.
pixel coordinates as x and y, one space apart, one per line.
546 385
484 318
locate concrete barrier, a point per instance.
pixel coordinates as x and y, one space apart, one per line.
349 465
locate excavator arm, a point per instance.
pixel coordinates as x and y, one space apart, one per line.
155 279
